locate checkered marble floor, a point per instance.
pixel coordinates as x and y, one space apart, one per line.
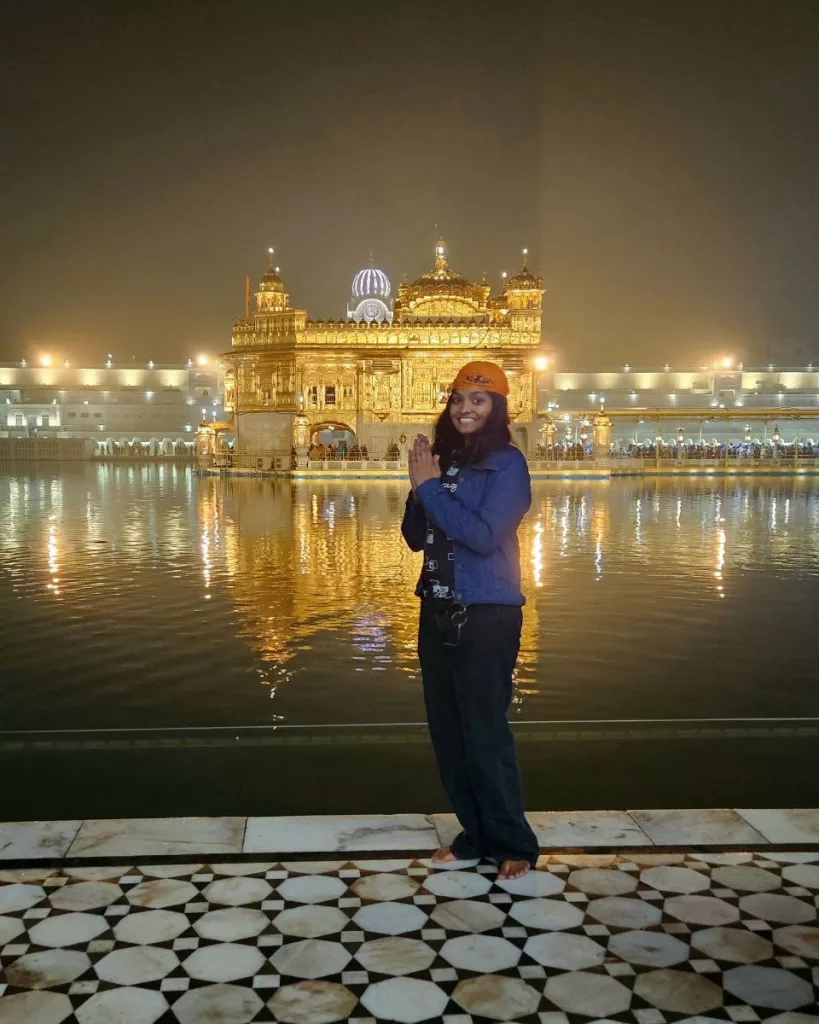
642 938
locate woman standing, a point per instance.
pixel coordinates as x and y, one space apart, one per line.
470 490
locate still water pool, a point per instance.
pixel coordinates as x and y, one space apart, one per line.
143 597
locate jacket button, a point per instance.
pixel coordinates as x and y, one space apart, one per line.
459 597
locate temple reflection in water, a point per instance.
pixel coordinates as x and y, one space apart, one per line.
316 568
346 568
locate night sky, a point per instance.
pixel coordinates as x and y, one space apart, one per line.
660 161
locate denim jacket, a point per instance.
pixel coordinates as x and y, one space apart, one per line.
482 518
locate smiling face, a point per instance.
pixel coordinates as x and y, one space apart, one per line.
470 409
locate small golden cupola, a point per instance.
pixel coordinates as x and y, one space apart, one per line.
271 296
524 289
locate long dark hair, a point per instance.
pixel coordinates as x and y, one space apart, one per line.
452 447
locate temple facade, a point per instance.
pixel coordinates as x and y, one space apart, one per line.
381 373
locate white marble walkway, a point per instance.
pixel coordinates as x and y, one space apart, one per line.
204 837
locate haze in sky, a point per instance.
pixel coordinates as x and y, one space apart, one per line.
659 161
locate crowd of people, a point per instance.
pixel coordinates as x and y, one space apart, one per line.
332 452
352 453
753 450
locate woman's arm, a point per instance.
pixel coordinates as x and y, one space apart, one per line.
414 525
506 501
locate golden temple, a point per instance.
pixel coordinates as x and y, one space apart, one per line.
382 372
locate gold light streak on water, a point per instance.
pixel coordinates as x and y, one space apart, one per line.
564 530
205 547
720 561
537 554
600 519
53 555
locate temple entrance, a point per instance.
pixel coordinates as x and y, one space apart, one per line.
333 441
520 436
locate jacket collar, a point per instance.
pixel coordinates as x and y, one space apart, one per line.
494 461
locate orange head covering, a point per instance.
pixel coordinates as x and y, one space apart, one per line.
485 376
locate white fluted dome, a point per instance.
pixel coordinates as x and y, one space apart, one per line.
371 283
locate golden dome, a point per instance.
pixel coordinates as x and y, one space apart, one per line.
441 281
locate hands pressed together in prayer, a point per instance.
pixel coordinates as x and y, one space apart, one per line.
423 465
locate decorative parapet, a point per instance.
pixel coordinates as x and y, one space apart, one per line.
348 334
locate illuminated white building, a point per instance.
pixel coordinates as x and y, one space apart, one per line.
685 398
63 401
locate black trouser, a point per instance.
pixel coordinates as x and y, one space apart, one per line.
467 675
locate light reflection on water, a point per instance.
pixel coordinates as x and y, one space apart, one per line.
143 596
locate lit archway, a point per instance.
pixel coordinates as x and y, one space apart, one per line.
332 439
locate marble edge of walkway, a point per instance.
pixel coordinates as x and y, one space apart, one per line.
320 835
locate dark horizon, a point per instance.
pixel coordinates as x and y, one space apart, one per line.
659 164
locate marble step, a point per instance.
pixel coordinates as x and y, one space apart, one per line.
376 833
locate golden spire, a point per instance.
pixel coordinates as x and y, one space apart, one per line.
441 263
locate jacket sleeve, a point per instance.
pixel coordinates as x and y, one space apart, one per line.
506 500
414 525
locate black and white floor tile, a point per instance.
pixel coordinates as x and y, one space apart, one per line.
641 938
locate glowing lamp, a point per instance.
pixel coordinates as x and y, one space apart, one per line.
541 362
201 360
680 436
45 361
777 437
